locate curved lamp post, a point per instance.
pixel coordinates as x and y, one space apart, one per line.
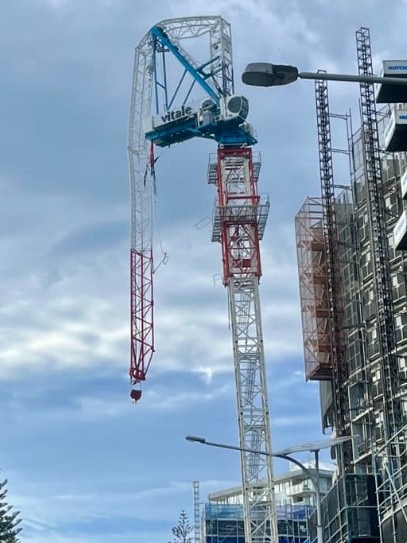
313 447
265 74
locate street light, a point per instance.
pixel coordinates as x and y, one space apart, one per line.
264 74
313 447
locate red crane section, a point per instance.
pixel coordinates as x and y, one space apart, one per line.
141 275
238 210
142 323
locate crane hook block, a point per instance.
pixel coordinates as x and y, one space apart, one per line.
135 395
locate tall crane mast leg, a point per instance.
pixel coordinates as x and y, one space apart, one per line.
239 223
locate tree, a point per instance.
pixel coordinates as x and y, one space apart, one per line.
9 520
182 529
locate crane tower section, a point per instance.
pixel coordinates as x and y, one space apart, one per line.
176 98
239 221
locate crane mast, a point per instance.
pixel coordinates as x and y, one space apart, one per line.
239 222
164 111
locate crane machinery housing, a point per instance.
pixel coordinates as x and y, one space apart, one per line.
174 99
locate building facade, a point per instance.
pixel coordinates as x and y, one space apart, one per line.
351 245
222 520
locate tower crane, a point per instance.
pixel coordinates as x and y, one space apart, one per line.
175 98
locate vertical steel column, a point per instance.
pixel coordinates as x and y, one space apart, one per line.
239 224
377 219
197 512
391 403
339 368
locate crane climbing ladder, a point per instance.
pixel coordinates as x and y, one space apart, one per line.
335 313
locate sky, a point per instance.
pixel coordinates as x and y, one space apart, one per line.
83 462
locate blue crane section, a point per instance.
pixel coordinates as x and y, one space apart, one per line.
217 116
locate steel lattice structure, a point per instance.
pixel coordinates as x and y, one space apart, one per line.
336 310
239 224
380 244
175 112
197 512
394 450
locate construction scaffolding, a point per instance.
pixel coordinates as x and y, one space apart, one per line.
314 293
349 512
333 248
387 409
392 490
379 242
223 523
360 283
197 511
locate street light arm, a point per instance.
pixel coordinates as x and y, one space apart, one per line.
353 78
265 74
307 472
203 441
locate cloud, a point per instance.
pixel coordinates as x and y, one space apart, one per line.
188 399
62 320
85 464
78 287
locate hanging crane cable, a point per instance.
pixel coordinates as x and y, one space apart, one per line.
150 169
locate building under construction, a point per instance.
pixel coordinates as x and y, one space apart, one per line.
353 277
223 520
225 523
